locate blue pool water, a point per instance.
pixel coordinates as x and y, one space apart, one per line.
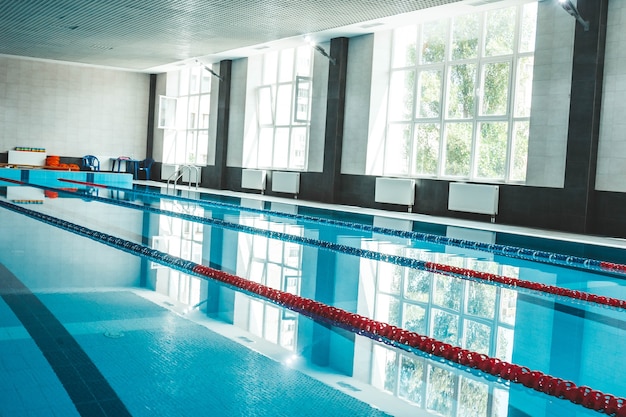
87 329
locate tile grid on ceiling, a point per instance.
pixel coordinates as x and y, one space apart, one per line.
157 32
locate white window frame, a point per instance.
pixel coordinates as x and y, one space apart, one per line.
443 121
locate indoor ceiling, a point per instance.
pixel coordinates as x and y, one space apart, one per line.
148 35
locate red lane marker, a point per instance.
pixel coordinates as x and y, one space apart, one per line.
557 387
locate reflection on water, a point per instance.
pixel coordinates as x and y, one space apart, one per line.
535 331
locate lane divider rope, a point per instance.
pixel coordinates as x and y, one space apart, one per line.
504 250
443 269
376 330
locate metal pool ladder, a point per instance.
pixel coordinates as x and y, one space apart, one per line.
178 174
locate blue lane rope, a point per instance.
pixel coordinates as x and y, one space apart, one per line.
503 250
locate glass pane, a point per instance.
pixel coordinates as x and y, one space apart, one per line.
265 151
504 344
495 89
411 379
384 368
500 31
270 67
434 41
447 292
192 146
481 300
529 27
508 306
397 149
286 65
427 137
417 285
297 151
492 147
429 94
266 104
524 86
205 82
169 146
256 318
203 147
445 326
181 141
181 112
283 105
520 151
271 323
477 336
461 88
281 148
401 95
465 37
440 391
414 318
458 140
303 98
387 309
205 107
404 51
167 112
194 79
184 82
473 398
303 64
192 115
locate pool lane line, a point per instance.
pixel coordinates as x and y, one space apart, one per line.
447 270
373 329
503 250
88 389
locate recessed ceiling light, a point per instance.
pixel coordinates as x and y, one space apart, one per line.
371 25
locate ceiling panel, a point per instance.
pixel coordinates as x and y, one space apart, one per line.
140 35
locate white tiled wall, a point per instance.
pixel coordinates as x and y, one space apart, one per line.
551 97
72 110
611 168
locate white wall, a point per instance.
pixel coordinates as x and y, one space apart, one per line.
73 110
611 168
552 80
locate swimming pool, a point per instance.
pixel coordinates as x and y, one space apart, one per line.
111 332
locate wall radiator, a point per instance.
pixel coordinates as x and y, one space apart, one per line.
253 179
474 198
395 191
286 182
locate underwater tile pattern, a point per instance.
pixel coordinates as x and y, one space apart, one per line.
144 360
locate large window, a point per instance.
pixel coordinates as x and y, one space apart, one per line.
459 97
473 315
284 101
278 265
185 117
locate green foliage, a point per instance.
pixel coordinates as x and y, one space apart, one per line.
411 379
492 150
458 149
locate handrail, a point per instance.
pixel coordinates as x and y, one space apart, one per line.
180 172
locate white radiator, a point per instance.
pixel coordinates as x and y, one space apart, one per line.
286 182
253 179
473 198
395 191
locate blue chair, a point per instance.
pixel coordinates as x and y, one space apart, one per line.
90 163
144 165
